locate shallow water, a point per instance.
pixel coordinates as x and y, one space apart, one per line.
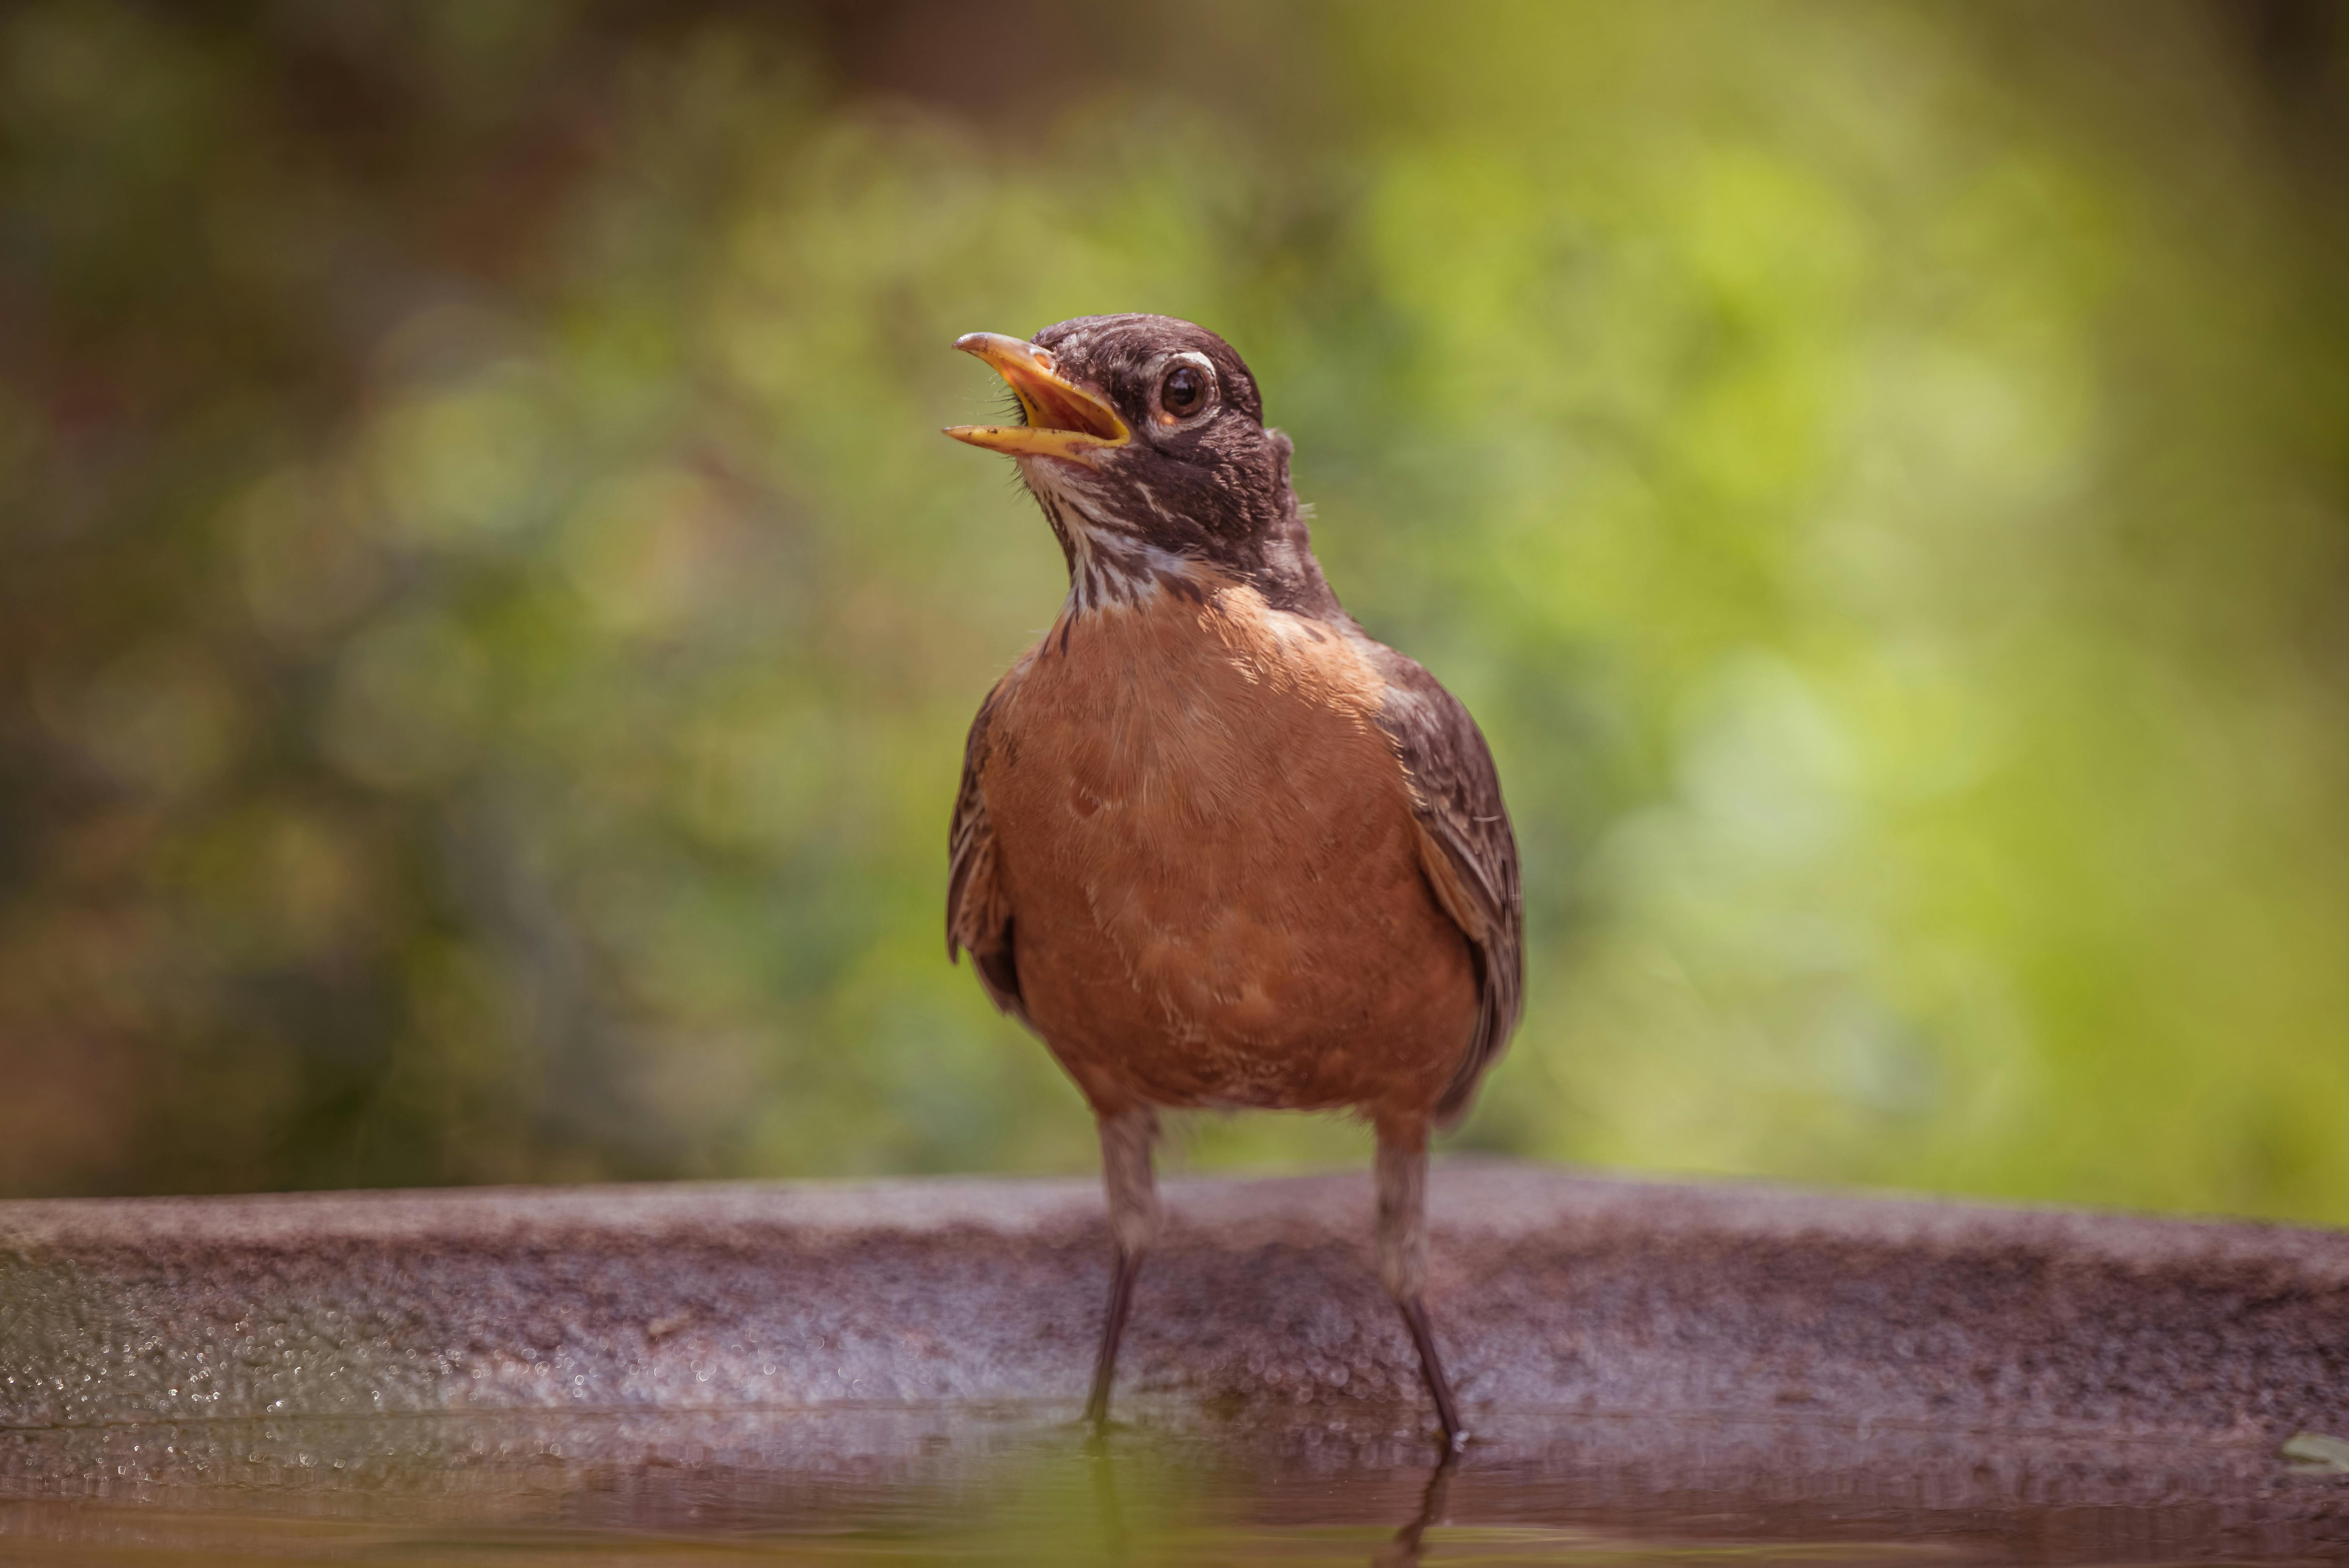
910 1487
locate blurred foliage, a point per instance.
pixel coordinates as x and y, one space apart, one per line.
488 621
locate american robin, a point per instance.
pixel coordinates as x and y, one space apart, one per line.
1213 844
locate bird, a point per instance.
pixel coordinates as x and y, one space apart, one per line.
1213 844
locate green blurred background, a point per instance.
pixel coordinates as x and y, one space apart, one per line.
487 620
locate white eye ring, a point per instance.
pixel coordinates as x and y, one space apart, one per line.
1165 368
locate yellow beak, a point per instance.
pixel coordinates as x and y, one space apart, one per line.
1064 419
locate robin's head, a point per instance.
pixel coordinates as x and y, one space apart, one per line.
1143 438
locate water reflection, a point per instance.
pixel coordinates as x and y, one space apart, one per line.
1018 1486
1404 1550
1103 1466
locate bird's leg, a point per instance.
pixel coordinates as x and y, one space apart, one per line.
1126 1138
1402 1257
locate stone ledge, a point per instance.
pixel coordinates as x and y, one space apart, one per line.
1552 1291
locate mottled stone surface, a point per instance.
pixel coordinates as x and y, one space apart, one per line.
1554 1291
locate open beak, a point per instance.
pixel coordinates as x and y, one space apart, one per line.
1064 420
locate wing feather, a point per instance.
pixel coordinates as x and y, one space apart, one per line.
978 916
1466 849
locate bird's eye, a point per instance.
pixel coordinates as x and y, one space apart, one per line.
1184 392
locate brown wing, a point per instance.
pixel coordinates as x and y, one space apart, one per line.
1466 849
978 917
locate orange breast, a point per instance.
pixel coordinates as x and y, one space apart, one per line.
1212 866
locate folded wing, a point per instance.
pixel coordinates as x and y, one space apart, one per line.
978 917
1466 850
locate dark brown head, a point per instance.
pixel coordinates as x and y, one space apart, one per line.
1143 438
